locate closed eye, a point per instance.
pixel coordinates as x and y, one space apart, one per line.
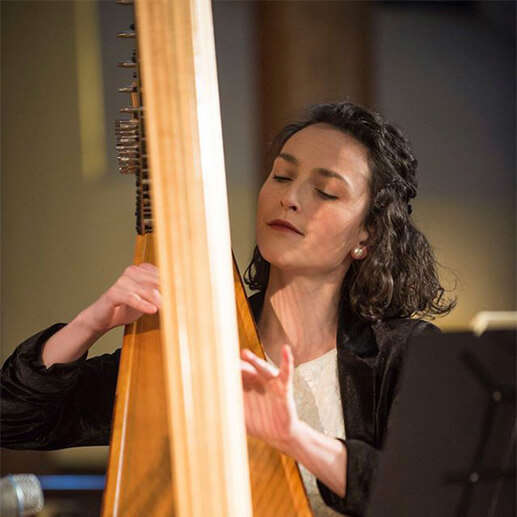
324 195
281 178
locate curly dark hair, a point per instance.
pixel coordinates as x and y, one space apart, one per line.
398 278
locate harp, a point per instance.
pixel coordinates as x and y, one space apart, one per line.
178 444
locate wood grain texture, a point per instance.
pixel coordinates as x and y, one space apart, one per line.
185 421
199 329
139 475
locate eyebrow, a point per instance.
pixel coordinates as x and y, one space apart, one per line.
320 170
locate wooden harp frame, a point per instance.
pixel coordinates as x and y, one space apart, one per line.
196 339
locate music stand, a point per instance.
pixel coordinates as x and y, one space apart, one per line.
450 450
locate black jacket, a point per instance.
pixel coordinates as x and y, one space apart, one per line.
69 405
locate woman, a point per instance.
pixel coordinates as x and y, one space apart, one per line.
339 269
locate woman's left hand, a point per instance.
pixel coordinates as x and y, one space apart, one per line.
269 406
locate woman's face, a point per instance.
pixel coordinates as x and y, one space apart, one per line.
319 186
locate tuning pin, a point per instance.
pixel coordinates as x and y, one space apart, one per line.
125 126
126 34
126 139
127 144
128 89
126 132
127 147
127 64
128 155
128 165
132 109
126 123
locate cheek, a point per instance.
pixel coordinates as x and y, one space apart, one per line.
263 208
334 232
264 197
261 204
266 201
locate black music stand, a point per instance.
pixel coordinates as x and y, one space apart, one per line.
451 449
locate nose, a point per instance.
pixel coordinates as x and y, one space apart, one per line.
289 200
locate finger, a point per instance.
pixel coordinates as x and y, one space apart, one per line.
287 365
146 291
251 380
263 367
142 305
142 275
248 369
151 269
148 266
124 296
116 298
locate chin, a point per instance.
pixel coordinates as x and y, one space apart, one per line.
277 257
283 258
295 260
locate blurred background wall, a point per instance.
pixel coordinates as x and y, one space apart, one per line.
443 71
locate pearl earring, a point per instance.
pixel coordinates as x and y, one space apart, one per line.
358 252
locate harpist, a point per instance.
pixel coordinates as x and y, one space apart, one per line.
343 279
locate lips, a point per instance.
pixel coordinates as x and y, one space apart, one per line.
281 224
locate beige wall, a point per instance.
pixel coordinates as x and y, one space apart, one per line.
65 236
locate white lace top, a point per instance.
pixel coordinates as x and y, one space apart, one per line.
318 402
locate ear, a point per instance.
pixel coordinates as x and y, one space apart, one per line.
360 251
364 237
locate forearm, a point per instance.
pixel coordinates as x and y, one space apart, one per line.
71 342
322 455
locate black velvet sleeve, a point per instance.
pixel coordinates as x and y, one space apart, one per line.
362 456
66 405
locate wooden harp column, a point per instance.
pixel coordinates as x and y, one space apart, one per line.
178 443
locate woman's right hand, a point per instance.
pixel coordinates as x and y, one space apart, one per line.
136 292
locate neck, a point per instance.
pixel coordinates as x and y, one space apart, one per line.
302 312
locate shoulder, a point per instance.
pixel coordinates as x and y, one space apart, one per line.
402 329
394 336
